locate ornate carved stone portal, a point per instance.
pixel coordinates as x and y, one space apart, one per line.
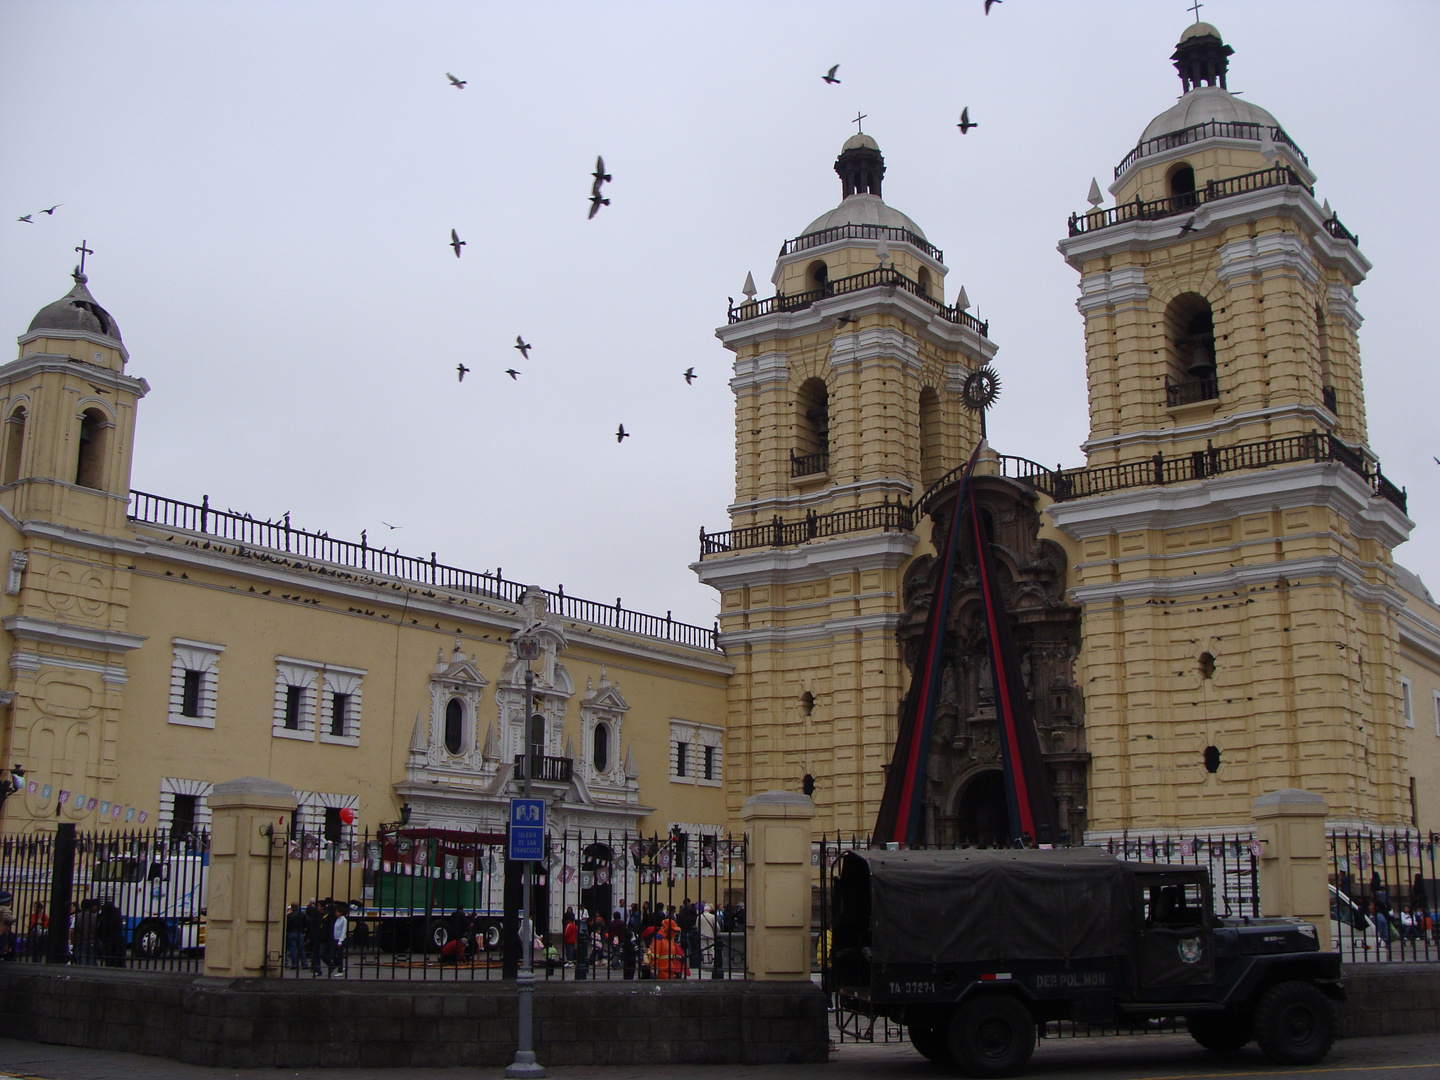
965 793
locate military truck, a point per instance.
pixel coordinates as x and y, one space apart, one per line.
971 949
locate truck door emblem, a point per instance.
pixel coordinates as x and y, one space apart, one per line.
1189 950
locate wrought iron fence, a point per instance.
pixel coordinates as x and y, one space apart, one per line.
1337 230
861 232
1187 393
809 464
888 517
280 542
119 898
1155 209
1384 895
1231 858
436 904
1210 129
881 276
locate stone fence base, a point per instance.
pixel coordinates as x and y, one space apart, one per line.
244 1023
1391 999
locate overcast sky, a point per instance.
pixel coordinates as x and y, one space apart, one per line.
269 190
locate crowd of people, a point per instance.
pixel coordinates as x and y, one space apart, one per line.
649 941
95 926
315 934
1415 919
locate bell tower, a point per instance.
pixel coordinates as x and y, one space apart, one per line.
847 406
1235 528
69 422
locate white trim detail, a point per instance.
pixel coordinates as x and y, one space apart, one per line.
302 674
170 786
340 681
875 343
28 628
204 659
1407 701
689 742
1124 285
1266 256
756 371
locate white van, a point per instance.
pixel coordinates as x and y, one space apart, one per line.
1352 932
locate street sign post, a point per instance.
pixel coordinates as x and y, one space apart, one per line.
527 830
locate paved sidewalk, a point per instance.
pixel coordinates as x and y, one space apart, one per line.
1150 1057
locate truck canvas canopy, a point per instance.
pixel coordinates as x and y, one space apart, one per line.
928 907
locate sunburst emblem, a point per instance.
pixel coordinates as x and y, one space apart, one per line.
982 387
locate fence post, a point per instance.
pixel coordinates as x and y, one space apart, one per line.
1293 871
241 907
777 885
62 874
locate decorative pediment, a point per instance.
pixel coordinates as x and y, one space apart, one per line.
605 697
459 672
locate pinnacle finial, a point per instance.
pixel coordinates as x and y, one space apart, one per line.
1095 198
749 290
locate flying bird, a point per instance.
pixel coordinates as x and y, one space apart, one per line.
523 346
829 76
512 373
689 376
456 242
25 219
389 526
461 369
600 175
596 202
52 209
965 124
990 3
1189 226
459 84
621 434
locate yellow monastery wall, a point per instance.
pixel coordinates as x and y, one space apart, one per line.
1419 664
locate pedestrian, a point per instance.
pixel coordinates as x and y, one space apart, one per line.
7 934
37 932
1382 925
667 958
110 934
707 937
295 937
315 935
569 937
84 939
688 919
632 920
339 931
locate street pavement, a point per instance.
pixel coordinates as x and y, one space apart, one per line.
1142 1057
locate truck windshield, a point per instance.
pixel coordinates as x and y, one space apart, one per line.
1177 905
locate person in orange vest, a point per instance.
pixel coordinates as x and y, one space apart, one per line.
667 957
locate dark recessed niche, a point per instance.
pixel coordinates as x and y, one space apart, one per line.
807 703
1207 668
1212 759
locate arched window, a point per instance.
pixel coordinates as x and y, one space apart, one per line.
817 277
924 279
1327 378
1182 186
14 443
537 735
600 748
812 429
90 462
931 450
1190 348
454 726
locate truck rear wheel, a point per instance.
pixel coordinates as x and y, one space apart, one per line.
931 1043
1295 1024
992 1035
1220 1031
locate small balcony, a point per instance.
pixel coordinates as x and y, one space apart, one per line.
1186 202
538 767
1191 391
809 464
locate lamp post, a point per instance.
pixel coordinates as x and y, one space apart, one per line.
525 1065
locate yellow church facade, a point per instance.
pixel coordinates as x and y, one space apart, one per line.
155 648
1208 610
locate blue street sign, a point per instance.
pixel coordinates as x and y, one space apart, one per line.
527 830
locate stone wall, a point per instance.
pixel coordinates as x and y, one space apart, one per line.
1391 999
244 1023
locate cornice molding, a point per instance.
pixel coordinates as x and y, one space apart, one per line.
75 335
36 363
873 551
875 343
1315 417
1124 286
29 628
827 630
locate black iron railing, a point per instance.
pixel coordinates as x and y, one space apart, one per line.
1210 129
282 543
1335 229
860 232
554 770
870 279
1383 895
887 517
809 464
1155 209
1062 484
1187 393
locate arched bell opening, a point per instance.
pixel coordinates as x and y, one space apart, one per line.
14 443
94 443
1190 374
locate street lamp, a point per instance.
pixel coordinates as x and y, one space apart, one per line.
11 786
525 1067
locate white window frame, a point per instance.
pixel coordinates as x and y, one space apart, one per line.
340 680
194 656
302 673
310 807
696 737
170 786
1437 712
1407 702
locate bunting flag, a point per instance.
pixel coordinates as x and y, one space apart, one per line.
1027 784
901 817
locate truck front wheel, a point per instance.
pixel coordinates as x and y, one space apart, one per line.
992 1035
1220 1031
1295 1024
